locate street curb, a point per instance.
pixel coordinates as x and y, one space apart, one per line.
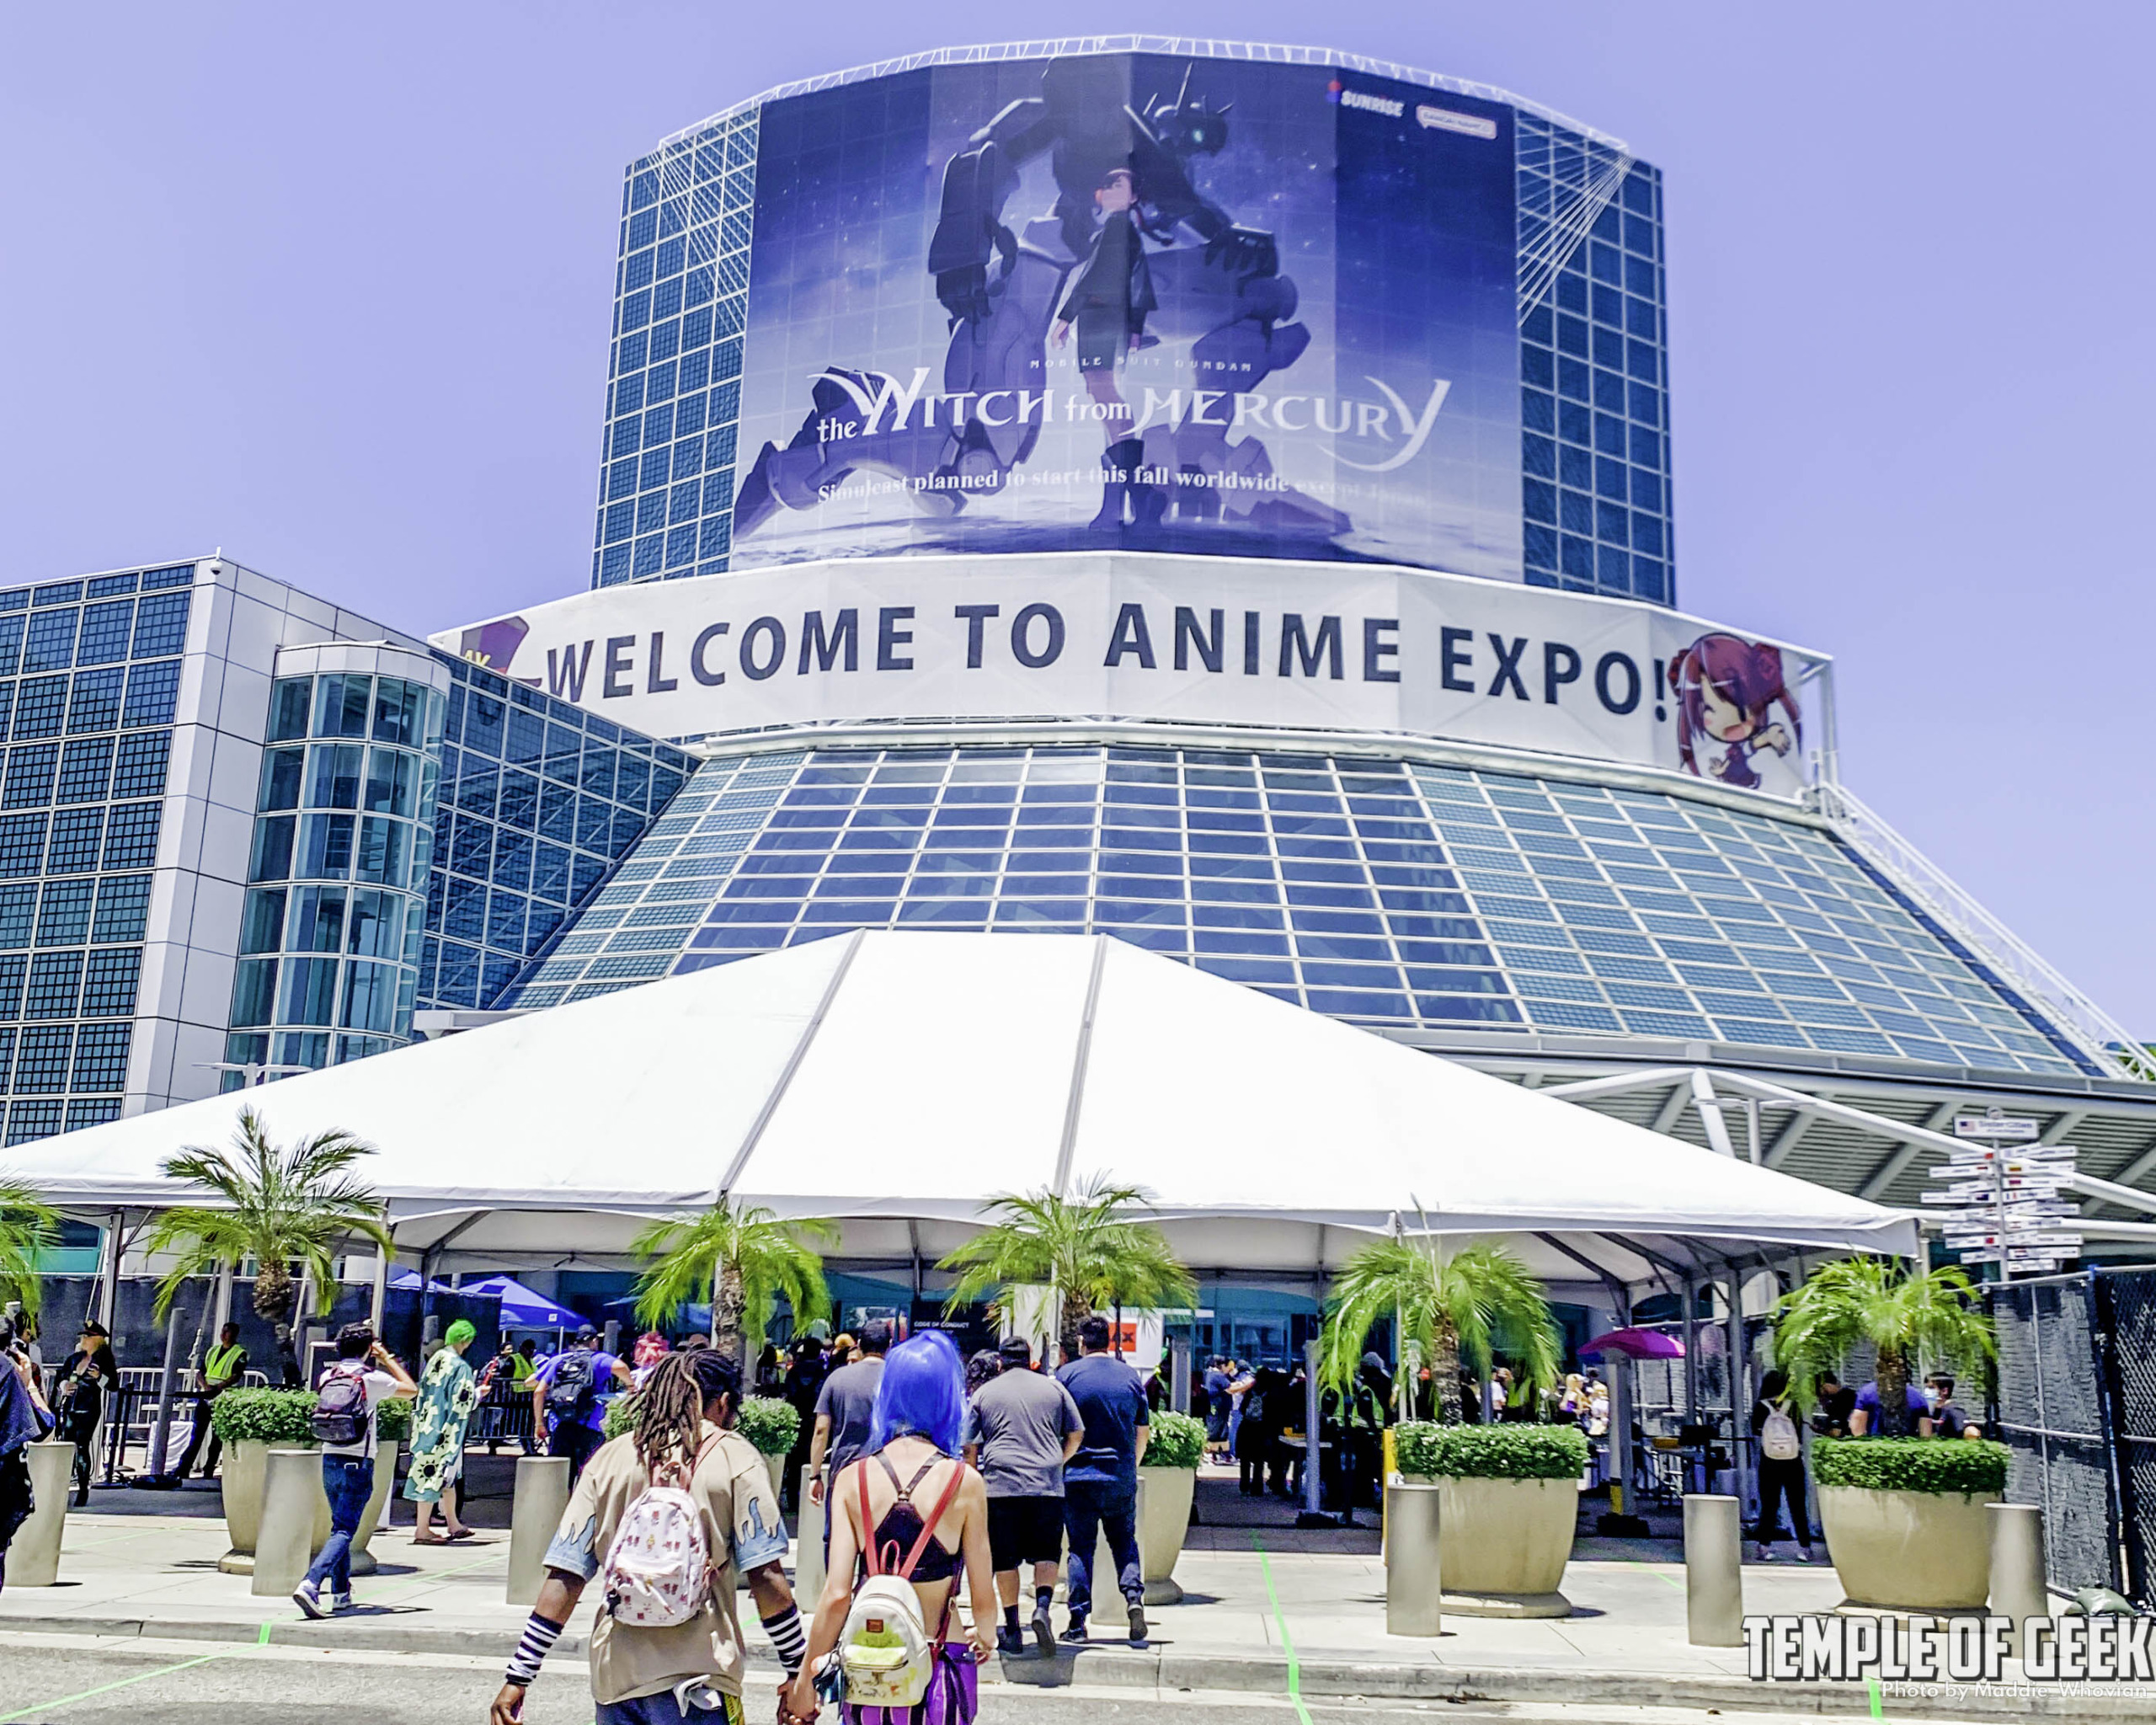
1112 1666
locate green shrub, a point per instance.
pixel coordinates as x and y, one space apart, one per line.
1491 1451
1177 1441
281 1417
770 1424
276 1417
621 1416
1942 1465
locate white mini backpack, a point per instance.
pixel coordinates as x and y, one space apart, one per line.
659 1571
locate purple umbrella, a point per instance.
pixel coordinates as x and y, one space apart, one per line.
1635 1344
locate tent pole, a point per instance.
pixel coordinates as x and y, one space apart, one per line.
1312 1465
109 1288
380 1299
1740 1405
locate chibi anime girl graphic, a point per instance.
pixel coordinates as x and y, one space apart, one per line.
1726 687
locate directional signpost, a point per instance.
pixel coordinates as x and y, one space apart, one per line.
2005 1205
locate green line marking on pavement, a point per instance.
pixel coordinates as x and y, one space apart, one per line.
68 1700
1287 1641
1871 1685
262 1635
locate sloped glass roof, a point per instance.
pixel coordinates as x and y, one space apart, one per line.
1396 895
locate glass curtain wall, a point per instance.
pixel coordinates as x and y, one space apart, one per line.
89 675
336 904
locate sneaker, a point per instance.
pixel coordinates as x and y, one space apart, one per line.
340 1602
1804 1554
1137 1622
1009 1640
1043 1632
1074 1630
309 1601
1762 1554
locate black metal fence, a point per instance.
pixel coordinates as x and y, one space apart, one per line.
2077 1409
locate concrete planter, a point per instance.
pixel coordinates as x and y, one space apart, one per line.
239 1483
375 1515
774 1465
1165 1495
1502 1544
1908 1551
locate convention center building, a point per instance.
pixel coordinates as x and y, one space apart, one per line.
1214 496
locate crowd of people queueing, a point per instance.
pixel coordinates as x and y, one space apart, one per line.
932 1473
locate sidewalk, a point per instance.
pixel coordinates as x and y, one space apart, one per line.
1257 1616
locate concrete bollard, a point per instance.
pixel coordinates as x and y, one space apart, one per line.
807 1548
1714 1571
542 1493
1414 1590
291 1490
34 1558
2017 1568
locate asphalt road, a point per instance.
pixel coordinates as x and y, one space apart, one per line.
70 1681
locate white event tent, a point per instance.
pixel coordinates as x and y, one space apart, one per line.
896 1082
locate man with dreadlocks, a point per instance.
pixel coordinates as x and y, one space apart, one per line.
691 1671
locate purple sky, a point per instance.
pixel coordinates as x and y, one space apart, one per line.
330 288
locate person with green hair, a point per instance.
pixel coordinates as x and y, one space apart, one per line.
448 1393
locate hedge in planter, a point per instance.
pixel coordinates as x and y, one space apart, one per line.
1490 1451
280 1417
1177 1441
770 1424
1910 1465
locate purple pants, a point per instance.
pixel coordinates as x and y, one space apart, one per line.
954 1695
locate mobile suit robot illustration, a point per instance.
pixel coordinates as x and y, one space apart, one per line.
1132 254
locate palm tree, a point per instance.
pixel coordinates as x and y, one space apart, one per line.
1904 1314
1451 1309
1083 1247
742 1258
279 1207
28 1227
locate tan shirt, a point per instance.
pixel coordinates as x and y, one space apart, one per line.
733 1493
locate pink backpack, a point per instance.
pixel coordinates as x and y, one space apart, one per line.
659 1571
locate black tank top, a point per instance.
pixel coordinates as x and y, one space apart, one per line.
901 1525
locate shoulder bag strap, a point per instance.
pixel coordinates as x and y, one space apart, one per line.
867 1526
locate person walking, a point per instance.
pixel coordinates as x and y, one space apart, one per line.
223 1362
78 1399
1099 1483
805 1372
365 1377
1022 1428
846 1412
1781 1467
24 1419
568 1399
650 1674
448 1392
1257 1439
910 1508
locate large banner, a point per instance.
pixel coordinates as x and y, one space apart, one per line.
1205 640
1166 303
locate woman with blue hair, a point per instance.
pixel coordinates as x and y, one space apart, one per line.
911 1496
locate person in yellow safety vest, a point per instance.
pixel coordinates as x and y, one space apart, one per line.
223 1362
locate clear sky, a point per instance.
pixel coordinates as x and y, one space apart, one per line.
330 288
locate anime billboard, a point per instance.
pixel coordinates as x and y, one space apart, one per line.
1149 301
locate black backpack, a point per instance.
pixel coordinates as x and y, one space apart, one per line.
574 1390
340 1408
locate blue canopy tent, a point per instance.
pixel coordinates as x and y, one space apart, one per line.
524 1309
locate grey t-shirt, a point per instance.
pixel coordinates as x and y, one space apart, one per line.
849 1398
1020 1420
